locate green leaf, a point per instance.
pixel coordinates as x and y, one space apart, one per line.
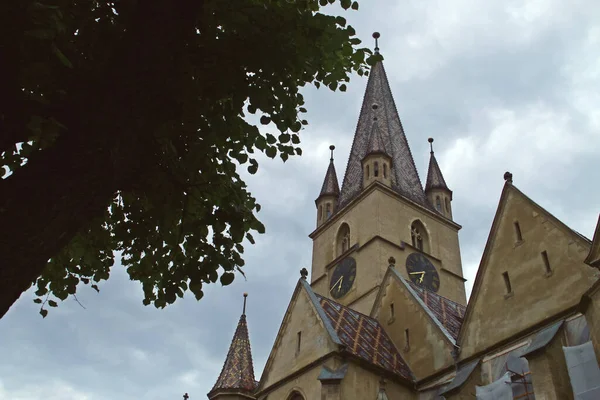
227 278
346 4
271 139
37 301
343 87
265 120
271 152
43 312
63 59
52 303
284 138
355 5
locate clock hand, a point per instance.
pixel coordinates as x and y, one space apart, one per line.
336 282
340 285
422 276
416 273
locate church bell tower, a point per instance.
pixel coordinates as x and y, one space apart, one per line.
382 211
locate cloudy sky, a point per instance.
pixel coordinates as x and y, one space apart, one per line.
500 86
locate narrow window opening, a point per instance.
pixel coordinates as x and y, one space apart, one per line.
392 310
507 282
376 169
367 168
546 261
518 232
328 210
320 212
299 341
385 170
406 340
447 204
438 203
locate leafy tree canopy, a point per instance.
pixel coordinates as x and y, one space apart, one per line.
122 128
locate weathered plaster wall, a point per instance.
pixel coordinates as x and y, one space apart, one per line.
536 294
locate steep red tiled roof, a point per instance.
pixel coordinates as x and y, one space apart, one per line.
238 371
449 313
364 337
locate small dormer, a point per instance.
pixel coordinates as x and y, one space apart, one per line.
436 190
377 163
330 191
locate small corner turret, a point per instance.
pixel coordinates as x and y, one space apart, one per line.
377 163
330 191
436 190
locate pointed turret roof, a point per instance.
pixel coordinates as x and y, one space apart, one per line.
237 374
330 184
376 144
379 103
435 179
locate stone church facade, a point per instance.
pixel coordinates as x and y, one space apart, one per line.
384 313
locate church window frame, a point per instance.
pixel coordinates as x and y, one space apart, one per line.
419 236
327 210
518 233
295 395
447 201
507 284
298 342
367 171
438 203
406 340
376 169
320 212
385 170
546 260
343 239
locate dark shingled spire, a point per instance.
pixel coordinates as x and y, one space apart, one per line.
330 184
237 374
378 104
376 144
435 179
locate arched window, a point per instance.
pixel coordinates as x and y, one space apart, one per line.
419 236
343 239
376 169
367 168
447 204
385 170
296 396
438 203
320 212
327 210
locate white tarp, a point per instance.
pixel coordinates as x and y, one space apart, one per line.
497 390
583 371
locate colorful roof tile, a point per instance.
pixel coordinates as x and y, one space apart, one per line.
238 371
449 313
435 179
330 184
379 103
364 337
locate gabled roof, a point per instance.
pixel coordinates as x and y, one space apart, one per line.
435 179
330 183
364 337
593 258
508 186
379 103
445 313
237 374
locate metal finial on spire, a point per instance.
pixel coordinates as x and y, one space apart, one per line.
332 148
186 397
376 36
245 296
303 273
430 140
508 177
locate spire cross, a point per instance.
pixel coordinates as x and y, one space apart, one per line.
376 36
245 296
186 397
332 148
430 140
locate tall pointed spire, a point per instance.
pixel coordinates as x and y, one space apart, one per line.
376 144
378 104
237 375
435 179
330 184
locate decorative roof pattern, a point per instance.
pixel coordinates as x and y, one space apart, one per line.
364 337
435 179
376 143
379 103
330 184
238 371
449 313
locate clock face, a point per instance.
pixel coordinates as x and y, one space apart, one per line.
422 272
342 278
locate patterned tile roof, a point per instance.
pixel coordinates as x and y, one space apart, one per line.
379 103
448 313
364 337
435 179
238 371
376 143
330 184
